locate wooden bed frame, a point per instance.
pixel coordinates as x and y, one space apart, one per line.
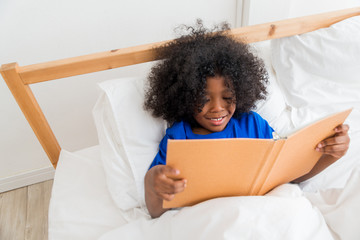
18 78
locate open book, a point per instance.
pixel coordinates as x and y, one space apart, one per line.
242 166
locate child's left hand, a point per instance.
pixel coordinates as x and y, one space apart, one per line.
336 145
333 148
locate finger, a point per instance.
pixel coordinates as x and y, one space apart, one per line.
171 186
167 197
170 194
180 185
167 175
344 139
339 149
336 151
169 171
162 172
343 128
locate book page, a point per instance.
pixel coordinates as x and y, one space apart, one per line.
299 156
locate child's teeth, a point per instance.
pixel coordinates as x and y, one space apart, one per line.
217 119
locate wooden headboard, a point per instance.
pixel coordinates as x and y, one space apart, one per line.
18 78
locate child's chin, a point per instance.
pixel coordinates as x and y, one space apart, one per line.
217 128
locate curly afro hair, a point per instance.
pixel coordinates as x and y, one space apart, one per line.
177 83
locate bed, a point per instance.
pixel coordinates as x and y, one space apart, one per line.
313 64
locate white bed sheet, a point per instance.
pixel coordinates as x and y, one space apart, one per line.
82 208
80 205
283 214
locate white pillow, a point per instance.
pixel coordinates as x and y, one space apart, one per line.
128 137
320 68
273 108
318 73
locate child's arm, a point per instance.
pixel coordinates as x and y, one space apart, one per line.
159 187
333 148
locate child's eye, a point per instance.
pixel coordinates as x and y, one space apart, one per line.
228 99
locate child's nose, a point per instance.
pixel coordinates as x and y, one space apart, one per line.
217 106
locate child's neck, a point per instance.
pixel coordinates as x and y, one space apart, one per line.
200 131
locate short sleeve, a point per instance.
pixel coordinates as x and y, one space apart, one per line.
160 158
252 125
177 131
263 128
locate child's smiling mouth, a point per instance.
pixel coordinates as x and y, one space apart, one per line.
217 121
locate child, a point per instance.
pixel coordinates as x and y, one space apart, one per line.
205 87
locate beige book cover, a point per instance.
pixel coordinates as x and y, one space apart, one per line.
242 166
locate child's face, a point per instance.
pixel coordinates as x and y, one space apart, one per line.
219 106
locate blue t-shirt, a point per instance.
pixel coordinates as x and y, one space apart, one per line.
247 125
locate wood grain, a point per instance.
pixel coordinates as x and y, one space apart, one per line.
292 26
13 208
24 212
37 211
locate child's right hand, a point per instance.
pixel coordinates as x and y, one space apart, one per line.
162 185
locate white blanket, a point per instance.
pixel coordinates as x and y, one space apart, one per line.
285 213
341 208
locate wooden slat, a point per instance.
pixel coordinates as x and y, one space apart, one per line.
13 214
144 53
32 111
37 211
293 26
88 63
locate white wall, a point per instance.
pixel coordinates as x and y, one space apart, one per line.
42 30
261 11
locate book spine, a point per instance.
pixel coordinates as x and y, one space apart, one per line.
267 166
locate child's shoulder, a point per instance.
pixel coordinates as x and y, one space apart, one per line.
246 116
177 130
255 125
252 119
